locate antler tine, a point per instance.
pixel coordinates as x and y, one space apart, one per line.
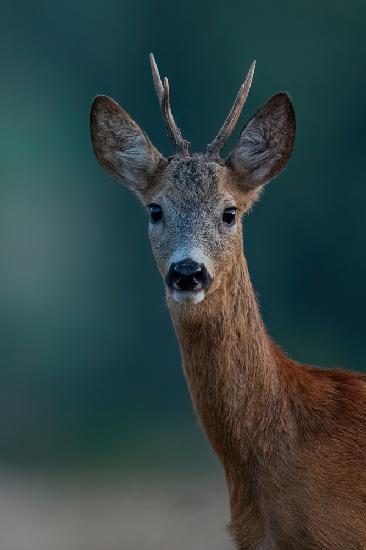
156 78
214 148
162 91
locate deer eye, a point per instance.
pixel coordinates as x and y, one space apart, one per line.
229 215
156 213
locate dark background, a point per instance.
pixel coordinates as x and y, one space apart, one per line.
90 369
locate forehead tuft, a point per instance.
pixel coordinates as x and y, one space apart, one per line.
193 176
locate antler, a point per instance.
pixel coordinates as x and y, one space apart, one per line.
162 91
214 148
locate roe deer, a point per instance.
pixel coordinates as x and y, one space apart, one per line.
291 438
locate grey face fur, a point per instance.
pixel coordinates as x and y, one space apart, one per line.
193 199
194 191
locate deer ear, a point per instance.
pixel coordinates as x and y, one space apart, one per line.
266 143
121 147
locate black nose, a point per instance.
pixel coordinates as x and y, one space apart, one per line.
188 275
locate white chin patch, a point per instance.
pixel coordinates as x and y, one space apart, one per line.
187 297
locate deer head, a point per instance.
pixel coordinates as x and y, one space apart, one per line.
195 202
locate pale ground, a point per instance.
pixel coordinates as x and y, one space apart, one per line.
113 514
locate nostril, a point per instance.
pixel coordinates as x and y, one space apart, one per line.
187 269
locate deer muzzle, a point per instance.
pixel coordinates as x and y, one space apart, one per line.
188 280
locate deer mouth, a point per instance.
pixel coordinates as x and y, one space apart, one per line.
187 296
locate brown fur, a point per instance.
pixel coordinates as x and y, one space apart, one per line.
291 438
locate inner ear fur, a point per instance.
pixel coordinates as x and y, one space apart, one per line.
121 147
265 144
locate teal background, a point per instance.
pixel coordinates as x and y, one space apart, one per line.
89 364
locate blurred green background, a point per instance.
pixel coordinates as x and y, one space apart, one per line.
90 368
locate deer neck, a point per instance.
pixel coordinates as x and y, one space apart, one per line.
231 368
